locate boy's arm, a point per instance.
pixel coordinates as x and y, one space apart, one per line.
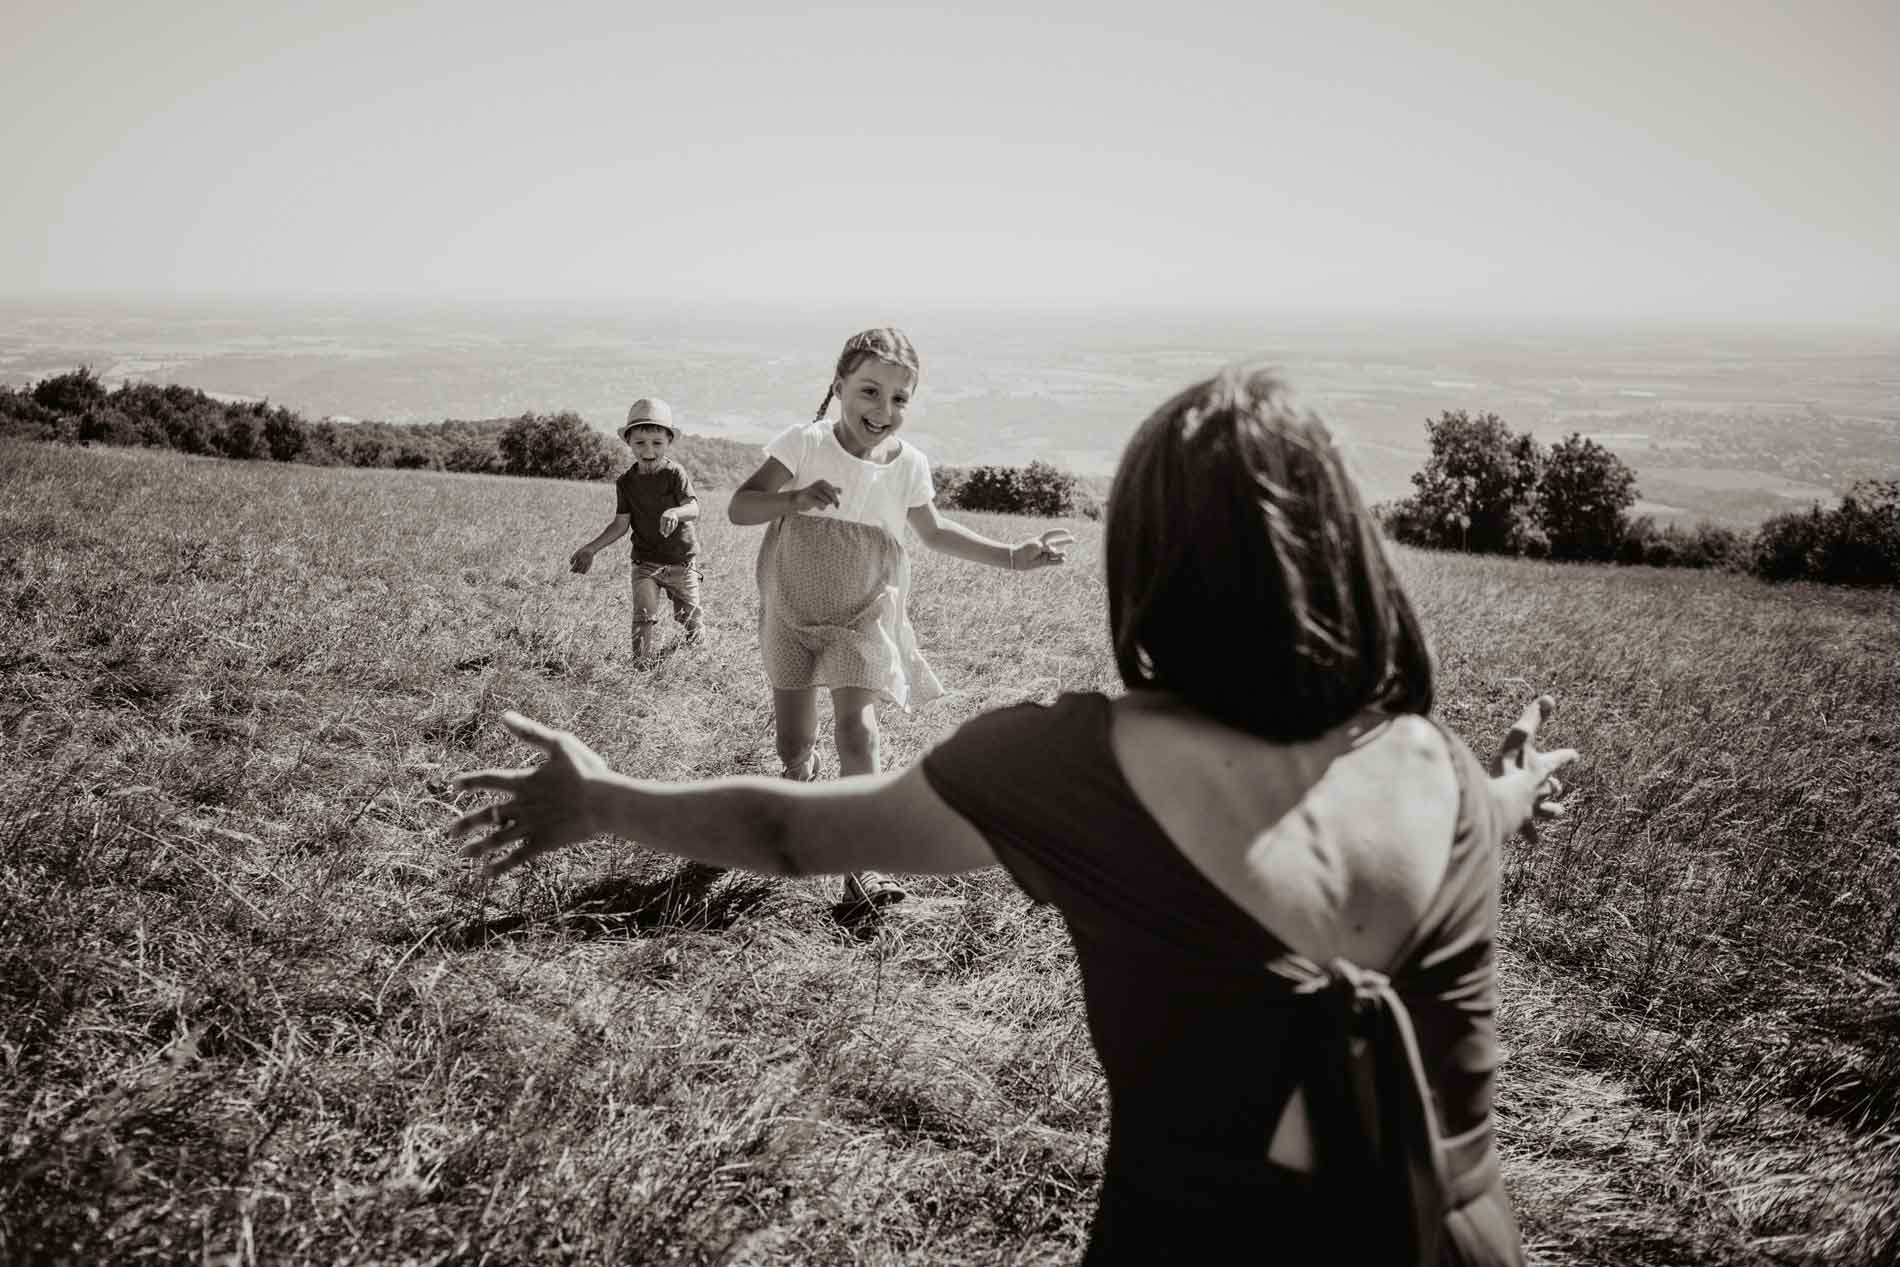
673 516
959 542
583 558
685 508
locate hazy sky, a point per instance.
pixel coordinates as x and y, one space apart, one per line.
1689 158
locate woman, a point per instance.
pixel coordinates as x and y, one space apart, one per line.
1270 796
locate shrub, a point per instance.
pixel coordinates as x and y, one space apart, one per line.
949 482
72 393
472 454
1402 521
103 424
286 436
1856 543
989 488
413 457
1705 545
194 431
242 438
323 444
1710 545
20 414
1037 489
1047 491
1864 544
1788 545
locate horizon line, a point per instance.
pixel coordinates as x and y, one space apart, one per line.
1210 309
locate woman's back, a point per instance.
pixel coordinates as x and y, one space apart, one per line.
1193 865
1335 846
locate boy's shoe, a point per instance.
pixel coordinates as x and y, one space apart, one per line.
870 891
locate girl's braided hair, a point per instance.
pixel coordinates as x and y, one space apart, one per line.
886 343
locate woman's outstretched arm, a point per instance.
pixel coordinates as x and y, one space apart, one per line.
1524 787
892 820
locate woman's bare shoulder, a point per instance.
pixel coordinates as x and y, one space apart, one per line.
1389 810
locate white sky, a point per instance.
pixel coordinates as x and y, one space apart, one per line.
1663 160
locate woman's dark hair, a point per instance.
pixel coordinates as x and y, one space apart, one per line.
1244 573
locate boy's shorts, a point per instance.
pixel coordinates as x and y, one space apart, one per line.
678 581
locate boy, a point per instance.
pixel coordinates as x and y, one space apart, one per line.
655 499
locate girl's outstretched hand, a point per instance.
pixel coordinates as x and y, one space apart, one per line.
1044 551
544 806
1524 785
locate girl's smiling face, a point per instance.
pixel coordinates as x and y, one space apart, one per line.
872 399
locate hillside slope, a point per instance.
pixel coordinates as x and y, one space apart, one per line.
251 1006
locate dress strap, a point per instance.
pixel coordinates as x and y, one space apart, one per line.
1376 1141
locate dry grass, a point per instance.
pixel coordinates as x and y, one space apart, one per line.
252 1010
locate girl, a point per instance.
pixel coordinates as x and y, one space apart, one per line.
1269 796
834 579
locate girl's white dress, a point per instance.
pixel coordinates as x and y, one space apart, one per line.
834 584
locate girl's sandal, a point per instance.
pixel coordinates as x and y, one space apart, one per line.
871 890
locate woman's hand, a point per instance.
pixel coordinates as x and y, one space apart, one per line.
544 807
817 495
1041 552
1524 786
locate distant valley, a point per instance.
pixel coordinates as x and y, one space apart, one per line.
1729 425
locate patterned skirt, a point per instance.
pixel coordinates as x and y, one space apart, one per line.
832 598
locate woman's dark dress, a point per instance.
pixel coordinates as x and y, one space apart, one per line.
1205 1023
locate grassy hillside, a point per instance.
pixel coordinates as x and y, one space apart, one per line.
252 1010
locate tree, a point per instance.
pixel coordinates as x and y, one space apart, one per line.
554 446
1478 490
1582 497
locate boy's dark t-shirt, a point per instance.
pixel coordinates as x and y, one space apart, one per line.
642 497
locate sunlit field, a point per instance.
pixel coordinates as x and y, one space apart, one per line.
253 1009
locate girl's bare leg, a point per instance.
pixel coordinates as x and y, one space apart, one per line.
854 726
795 719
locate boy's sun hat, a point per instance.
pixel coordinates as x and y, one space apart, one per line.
649 411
